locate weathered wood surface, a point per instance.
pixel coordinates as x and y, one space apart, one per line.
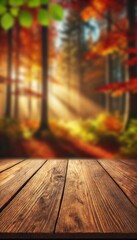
130 162
36 206
93 202
125 175
14 178
69 198
7 163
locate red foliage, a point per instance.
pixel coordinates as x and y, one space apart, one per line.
132 61
116 89
115 41
27 92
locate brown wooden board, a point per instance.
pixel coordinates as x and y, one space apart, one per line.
92 202
36 206
14 178
7 163
130 162
125 175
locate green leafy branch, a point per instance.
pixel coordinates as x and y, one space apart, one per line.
12 10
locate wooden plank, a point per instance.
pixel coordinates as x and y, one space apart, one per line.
130 162
36 206
12 179
76 215
92 202
7 163
125 175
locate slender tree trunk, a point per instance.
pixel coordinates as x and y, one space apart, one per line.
16 106
9 72
44 102
132 69
39 100
80 66
69 71
30 99
109 67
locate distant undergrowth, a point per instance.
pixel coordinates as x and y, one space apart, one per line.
14 129
105 131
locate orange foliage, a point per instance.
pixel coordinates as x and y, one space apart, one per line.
33 124
114 42
113 124
96 8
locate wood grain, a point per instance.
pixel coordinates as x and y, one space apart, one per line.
35 208
76 214
7 163
12 179
130 162
125 174
92 202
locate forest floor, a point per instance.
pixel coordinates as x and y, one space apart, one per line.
53 147
80 139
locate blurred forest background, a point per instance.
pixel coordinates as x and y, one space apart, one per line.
68 88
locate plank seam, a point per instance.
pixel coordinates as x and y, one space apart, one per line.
91 204
6 204
13 165
61 200
116 184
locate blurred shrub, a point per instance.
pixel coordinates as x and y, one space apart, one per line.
13 129
105 129
129 140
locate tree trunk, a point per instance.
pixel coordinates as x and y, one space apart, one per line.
109 67
30 98
9 72
16 106
44 102
132 69
80 66
69 71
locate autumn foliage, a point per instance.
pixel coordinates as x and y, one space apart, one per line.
118 39
95 8
116 89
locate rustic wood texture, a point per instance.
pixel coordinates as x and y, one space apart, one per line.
130 162
7 163
12 179
92 202
36 206
69 198
125 174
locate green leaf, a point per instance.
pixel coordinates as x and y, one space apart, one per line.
25 19
34 3
7 21
3 2
14 11
44 17
16 2
3 9
44 2
57 12
25 1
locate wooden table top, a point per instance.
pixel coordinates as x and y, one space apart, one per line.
63 198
